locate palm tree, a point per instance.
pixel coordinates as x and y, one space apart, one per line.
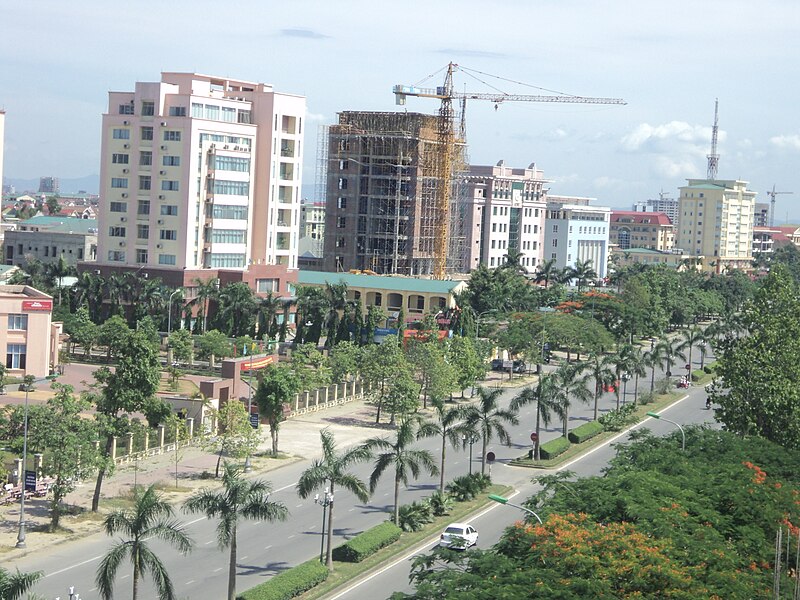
150 517
205 291
311 310
656 357
487 416
399 454
13 586
55 273
336 296
87 291
332 471
691 337
571 382
621 362
547 271
512 260
601 369
237 307
637 366
582 271
544 394
449 425
238 499
671 353
267 316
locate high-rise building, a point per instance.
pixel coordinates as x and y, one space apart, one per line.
662 204
381 212
505 214
2 145
199 174
632 229
48 185
577 232
716 222
761 214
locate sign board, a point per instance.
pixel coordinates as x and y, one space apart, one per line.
37 305
254 420
385 331
507 364
30 481
534 437
546 346
490 457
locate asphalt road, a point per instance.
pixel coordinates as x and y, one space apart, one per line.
266 549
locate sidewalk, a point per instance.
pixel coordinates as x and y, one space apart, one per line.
299 439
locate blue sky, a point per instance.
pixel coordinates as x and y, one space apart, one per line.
668 60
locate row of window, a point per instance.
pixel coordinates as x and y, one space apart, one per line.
143 208
48 250
230 140
230 163
228 236
167 185
225 114
231 188
141 257
146 159
124 133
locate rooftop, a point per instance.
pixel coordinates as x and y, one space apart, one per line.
60 224
384 282
659 218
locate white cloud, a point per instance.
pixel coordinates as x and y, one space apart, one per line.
788 142
556 134
667 137
316 117
674 167
606 182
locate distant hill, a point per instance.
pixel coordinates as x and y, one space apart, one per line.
89 184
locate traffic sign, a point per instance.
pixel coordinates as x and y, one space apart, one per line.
30 481
534 437
254 420
490 456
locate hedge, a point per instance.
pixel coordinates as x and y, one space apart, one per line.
367 543
290 583
585 432
553 448
698 374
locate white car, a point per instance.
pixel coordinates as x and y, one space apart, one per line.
459 536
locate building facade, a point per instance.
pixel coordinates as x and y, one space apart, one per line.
631 229
662 204
29 338
577 232
761 215
716 221
47 239
2 147
199 174
312 228
506 213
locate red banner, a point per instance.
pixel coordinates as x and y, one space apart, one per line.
36 305
257 363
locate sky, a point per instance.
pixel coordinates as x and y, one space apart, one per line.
668 60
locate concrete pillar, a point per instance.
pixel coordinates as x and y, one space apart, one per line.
146 440
296 402
316 398
130 443
305 399
325 393
37 464
160 438
190 427
336 393
169 356
18 470
353 389
114 448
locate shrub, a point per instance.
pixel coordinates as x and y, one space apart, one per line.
646 398
617 419
466 487
698 374
585 432
440 503
481 481
553 448
663 386
290 583
414 516
367 543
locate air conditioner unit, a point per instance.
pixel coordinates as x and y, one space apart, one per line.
126 146
159 245
162 172
225 147
163 123
122 244
163 147
126 123
124 194
161 221
123 219
161 196
126 170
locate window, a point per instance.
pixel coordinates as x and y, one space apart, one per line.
342 183
555 243
231 163
119 159
116 231
231 188
166 259
15 356
228 114
341 203
121 134
264 286
555 228
119 182
172 136
340 242
146 133
341 222
143 208
116 256
230 261
141 256
17 322
148 108
118 207
169 210
144 182
226 211
126 109
169 185
177 111
169 234
171 161
243 116
228 236
145 158
143 231
197 110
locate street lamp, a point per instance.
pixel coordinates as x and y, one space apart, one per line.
683 435
28 381
324 502
169 311
478 320
501 500
247 464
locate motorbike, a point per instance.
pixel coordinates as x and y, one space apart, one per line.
708 403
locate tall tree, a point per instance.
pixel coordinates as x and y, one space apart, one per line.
236 437
14 585
571 383
150 518
547 271
206 290
447 424
489 419
691 337
399 455
655 357
333 471
237 307
582 272
601 369
380 364
267 311
276 387
336 298
544 394
238 499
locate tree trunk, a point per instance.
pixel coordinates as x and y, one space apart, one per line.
329 549
232 568
135 575
274 433
100 474
483 455
597 388
536 455
441 474
652 379
397 499
636 389
566 421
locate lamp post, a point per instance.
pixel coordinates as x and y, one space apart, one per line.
324 502
247 464
169 311
683 434
501 500
28 380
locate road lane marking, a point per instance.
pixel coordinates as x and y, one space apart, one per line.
290 537
209 542
242 557
218 570
191 581
80 564
265 548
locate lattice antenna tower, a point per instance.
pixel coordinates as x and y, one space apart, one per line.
713 158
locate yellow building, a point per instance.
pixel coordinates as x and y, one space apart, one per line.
716 221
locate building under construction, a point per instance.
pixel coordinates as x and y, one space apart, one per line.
380 173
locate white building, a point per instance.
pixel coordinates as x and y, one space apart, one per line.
506 213
577 232
2 144
200 172
662 204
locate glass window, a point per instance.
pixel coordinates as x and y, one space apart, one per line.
169 234
231 163
141 255
146 132
228 114
231 261
15 356
169 185
116 231
212 112
119 182
177 111
144 182
118 207
119 159
148 108
143 231
228 236
264 286
18 322
231 188
226 211
145 158
171 161
116 256
197 110
172 136
126 109
166 259
169 210
143 208
121 134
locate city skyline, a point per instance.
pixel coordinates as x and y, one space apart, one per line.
668 62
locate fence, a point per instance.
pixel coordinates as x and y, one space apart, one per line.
147 442
328 397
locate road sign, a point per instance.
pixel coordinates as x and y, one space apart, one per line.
254 420
507 364
30 481
534 437
490 456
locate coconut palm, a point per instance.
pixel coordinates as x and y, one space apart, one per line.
582 272
238 499
601 369
87 291
267 315
332 471
655 357
637 366
571 383
488 418
694 336
14 585
512 260
237 307
449 426
398 453
151 517
336 296
671 354
545 397
204 292
621 362
547 271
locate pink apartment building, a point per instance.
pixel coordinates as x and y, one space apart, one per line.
29 338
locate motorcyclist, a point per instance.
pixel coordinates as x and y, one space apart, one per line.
708 402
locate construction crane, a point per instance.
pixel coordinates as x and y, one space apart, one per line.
772 195
447 142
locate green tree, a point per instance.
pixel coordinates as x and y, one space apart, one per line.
113 335
547 403
402 397
469 366
375 317
380 364
312 308
435 375
547 271
276 388
449 425
655 357
399 455
236 437
53 207
345 359
150 518
214 344
310 367
691 337
237 308
571 383
330 472
14 585
336 299
601 369
238 499
82 331
488 419
182 345
582 272
206 291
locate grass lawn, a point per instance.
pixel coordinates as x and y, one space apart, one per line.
344 573
185 387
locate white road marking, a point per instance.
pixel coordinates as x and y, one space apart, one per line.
242 557
298 505
80 564
209 542
218 570
124 576
190 582
290 537
267 547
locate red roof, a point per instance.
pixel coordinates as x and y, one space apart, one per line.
652 218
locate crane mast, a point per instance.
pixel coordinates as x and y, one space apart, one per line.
772 193
446 139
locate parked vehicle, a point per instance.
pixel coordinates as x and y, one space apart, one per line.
459 536
518 365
